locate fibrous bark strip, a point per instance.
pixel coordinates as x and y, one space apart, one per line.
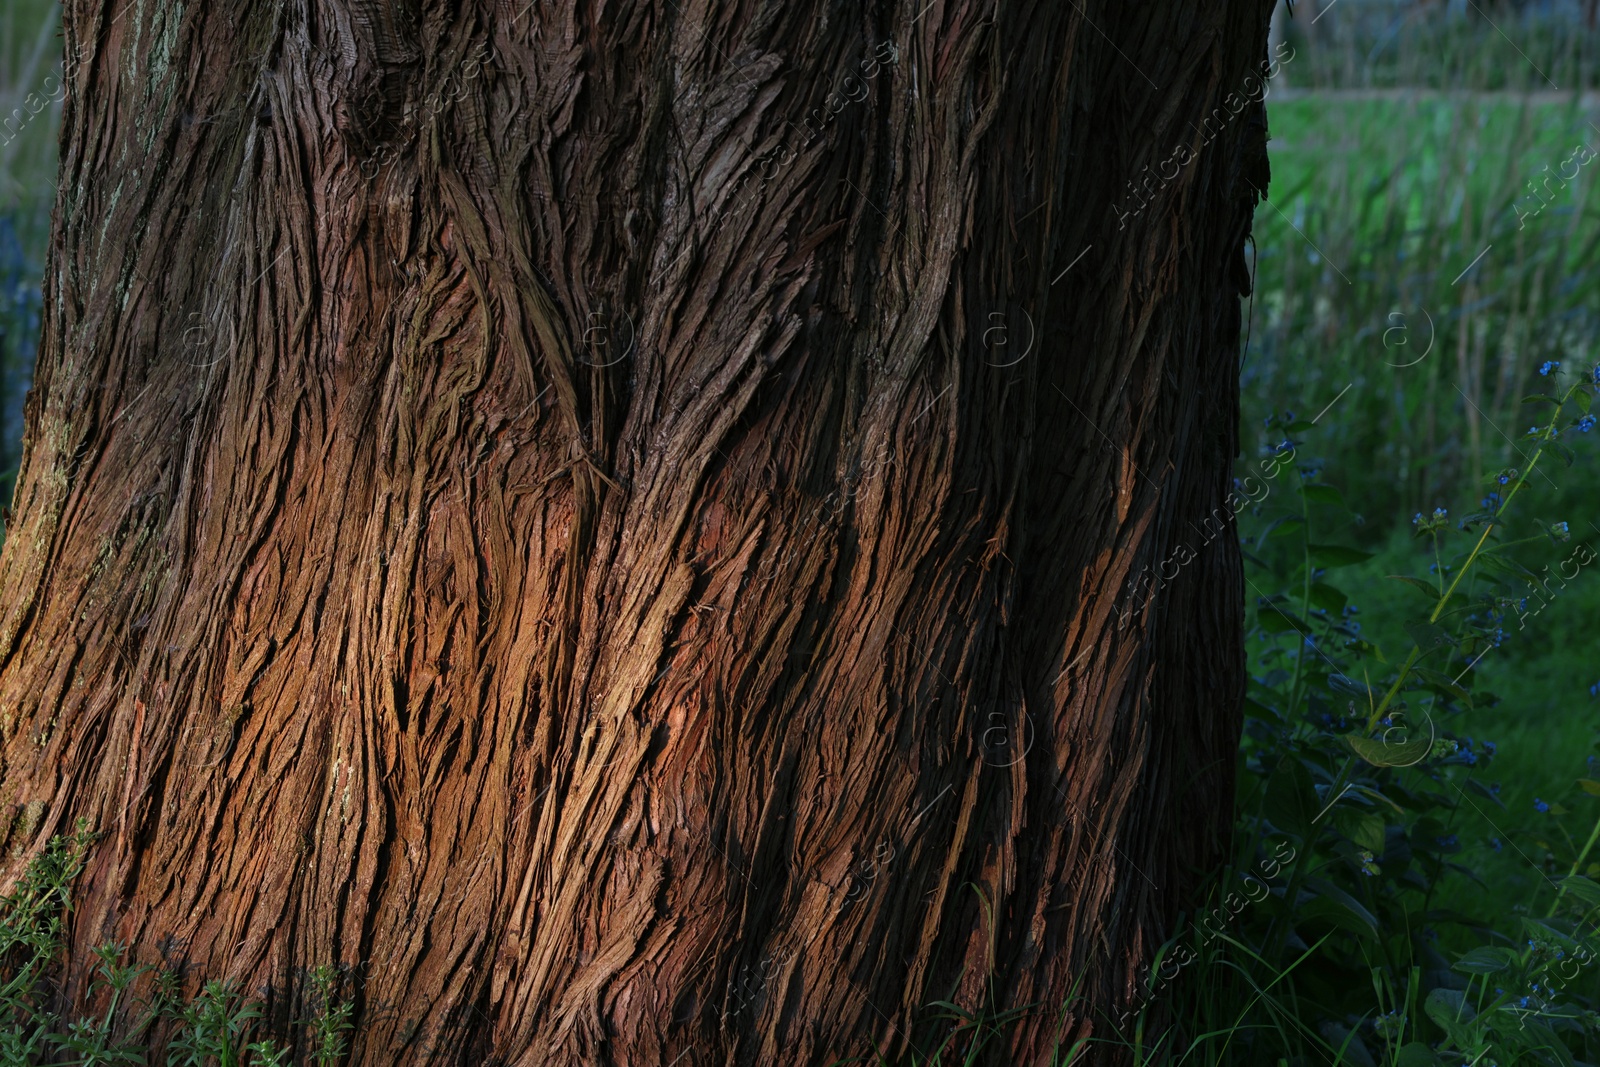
610 519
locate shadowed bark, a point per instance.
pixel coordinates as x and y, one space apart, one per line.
610 519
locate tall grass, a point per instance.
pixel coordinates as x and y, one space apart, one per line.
1479 45
1394 257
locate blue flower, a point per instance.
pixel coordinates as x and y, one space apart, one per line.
1492 500
1440 513
1494 843
1504 478
1586 424
1596 374
1532 430
1488 746
1546 368
1594 690
1523 1003
1351 609
1288 416
1540 806
1417 520
1285 445
1561 530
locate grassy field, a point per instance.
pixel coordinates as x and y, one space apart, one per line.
1425 263
1377 209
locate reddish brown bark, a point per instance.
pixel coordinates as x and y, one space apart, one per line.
567 540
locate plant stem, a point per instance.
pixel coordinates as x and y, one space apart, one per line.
1305 599
1416 650
1588 845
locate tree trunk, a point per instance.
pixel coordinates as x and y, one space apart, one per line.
612 520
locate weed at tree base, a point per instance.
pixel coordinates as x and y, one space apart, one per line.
219 1027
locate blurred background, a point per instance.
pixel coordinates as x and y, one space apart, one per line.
30 121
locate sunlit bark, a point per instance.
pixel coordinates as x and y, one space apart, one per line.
610 521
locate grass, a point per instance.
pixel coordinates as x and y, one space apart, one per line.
1484 45
218 1026
1377 209
1399 197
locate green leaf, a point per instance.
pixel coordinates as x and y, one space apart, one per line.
1340 908
1449 1008
1399 754
1364 828
1326 596
1485 960
1442 684
1417 583
1284 526
1484 791
1291 801
1582 888
1416 1054
1582 399
1494 561
1541 398
1337 555
1476 518
1321 494
1346 1043
1428 636
1563 451
1545 1040
1590 786
1258 709
1378 797
1275 620
1354 686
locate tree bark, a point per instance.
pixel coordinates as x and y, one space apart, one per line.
617 534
